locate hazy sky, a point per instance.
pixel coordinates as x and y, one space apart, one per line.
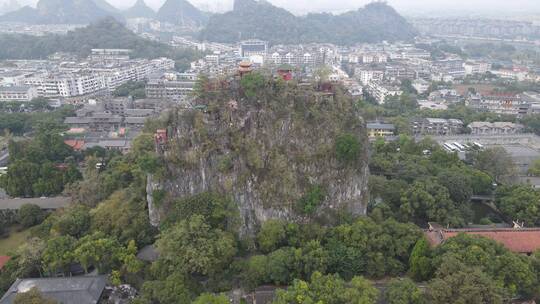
417 7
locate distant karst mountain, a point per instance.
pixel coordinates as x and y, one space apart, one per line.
107 33
181 12
139 10
62 12
259 19
9 6
106 6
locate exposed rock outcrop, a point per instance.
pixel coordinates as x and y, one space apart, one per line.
273 152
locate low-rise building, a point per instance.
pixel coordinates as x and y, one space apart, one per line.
500 103
518 240
17 93
80 289
171 86
495 128
436 126
378 129
472 68
381 91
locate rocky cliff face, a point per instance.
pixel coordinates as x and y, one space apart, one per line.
274 152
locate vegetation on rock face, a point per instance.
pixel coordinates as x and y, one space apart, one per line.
258 133
311 200
347 148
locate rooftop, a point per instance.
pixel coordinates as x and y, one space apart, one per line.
45 203
378 125
20 89
3 260
80 290
524 240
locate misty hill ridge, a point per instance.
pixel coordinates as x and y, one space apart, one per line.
181 12
259 19
139 10
62 12
107 33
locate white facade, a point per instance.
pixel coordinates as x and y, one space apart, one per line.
94 80
17 93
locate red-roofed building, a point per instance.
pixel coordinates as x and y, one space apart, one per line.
519 240
76 144
3 260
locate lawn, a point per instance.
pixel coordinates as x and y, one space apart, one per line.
14 240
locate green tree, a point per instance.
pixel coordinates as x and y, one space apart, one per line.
313 198
98 251
173 289
521 203
465 286
369 248
313 258
123 217
216 209
534 170
252 83
495 161
347 148
505 269
58 254
329 289
256 271
272 235
207 298
73 221
427 200
194 247
403 291
420 266
30 215
32 296
458 185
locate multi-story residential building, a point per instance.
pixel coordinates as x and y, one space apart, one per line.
450 66
365 74
510 104
110 55
381 91
495 128
472 68
378 129
17 93
171 86
444 96
398 71
436 126
95 78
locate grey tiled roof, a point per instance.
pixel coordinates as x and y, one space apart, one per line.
44 203
76 290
